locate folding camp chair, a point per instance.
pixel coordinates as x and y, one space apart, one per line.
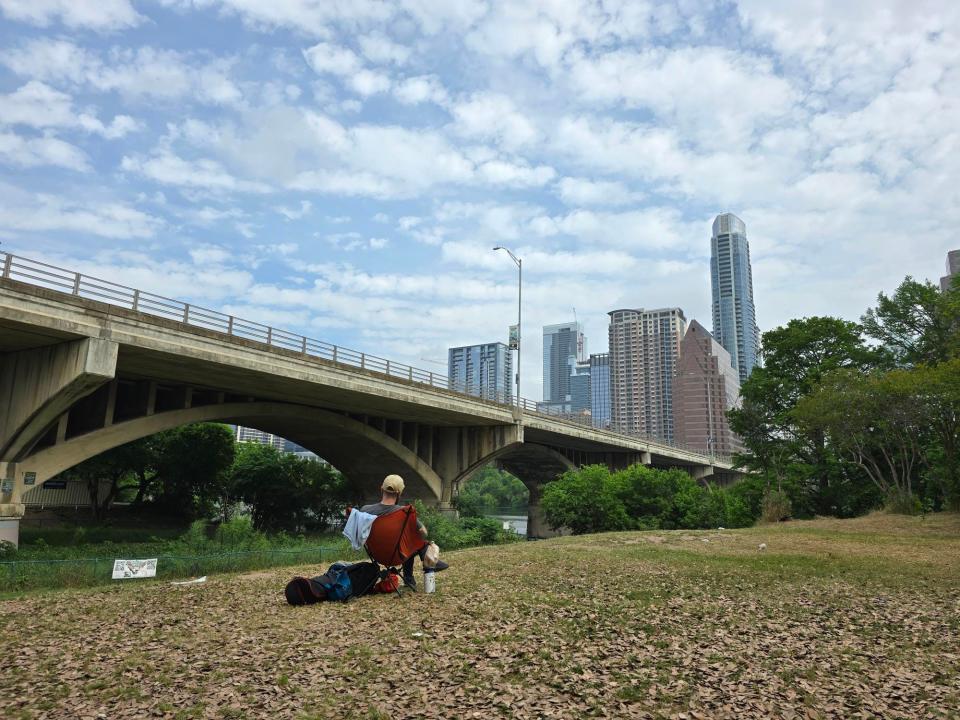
394 539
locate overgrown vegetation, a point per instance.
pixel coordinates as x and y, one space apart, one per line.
492 491
451 534
844 417
594 499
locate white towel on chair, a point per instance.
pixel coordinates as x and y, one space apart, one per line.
357 529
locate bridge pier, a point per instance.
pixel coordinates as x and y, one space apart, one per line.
37 389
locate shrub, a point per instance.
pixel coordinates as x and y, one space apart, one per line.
903 503
239 534
586 500
8 551
775 507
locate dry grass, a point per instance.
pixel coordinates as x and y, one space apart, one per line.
857 618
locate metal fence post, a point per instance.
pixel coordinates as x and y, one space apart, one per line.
304 345
230 325
186 313
76 283
363 361
269 335
334 353
7 264
136 300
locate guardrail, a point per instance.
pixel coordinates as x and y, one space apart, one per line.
40 274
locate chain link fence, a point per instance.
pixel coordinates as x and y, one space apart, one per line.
18 575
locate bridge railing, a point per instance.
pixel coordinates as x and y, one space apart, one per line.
51 277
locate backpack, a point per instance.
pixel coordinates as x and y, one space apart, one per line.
341 581
389 583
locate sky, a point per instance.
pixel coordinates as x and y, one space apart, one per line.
343 168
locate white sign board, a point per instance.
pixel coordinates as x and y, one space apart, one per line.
125 569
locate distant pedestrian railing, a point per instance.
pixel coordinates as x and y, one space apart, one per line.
51 277
16 575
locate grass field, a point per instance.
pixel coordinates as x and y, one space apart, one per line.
845 619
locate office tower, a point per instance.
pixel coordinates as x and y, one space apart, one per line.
644 345
563 345
734 317
482 370
953 268
705 386
246 434
580 388
600 397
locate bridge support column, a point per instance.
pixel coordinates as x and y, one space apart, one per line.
37 389
11 505
701 472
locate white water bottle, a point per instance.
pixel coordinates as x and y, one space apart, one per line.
429 580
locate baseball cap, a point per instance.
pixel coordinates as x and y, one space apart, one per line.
392 483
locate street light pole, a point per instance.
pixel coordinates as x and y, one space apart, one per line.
519 264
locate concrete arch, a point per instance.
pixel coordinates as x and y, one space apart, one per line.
533 464
362 453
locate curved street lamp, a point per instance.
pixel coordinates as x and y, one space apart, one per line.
519 264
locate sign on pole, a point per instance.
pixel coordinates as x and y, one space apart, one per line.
127 569
514 337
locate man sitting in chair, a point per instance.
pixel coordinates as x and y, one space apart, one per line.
390 491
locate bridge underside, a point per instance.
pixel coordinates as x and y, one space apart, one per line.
64 399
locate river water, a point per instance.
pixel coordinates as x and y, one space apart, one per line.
517 523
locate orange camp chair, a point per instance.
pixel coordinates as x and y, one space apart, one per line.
394 539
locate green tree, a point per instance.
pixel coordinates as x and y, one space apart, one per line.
936 392
918 323
491 490
285 492
193 463
795 358
876 422
585 500
134 459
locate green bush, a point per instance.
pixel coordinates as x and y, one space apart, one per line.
239 534
8 551
593 499
586 500
452 534
775 506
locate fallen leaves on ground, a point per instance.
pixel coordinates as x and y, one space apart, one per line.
836 619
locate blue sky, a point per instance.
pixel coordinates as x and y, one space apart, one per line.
343 169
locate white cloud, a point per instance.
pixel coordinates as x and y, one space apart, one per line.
419 89
36 104
47 150
49 213
103 15
378 48
137 74
295 213
204 173
716 96
494 117
582 191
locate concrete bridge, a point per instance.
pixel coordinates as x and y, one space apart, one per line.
87 365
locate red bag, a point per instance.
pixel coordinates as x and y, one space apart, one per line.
391 583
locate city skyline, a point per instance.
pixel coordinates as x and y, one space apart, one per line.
342 171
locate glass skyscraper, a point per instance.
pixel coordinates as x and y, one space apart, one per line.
563 346
734 317
482 370
600 395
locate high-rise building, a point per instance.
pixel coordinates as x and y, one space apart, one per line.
644 346
580 388
482 370
600 396
563 345
953 268
247 434
705 386
734 316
